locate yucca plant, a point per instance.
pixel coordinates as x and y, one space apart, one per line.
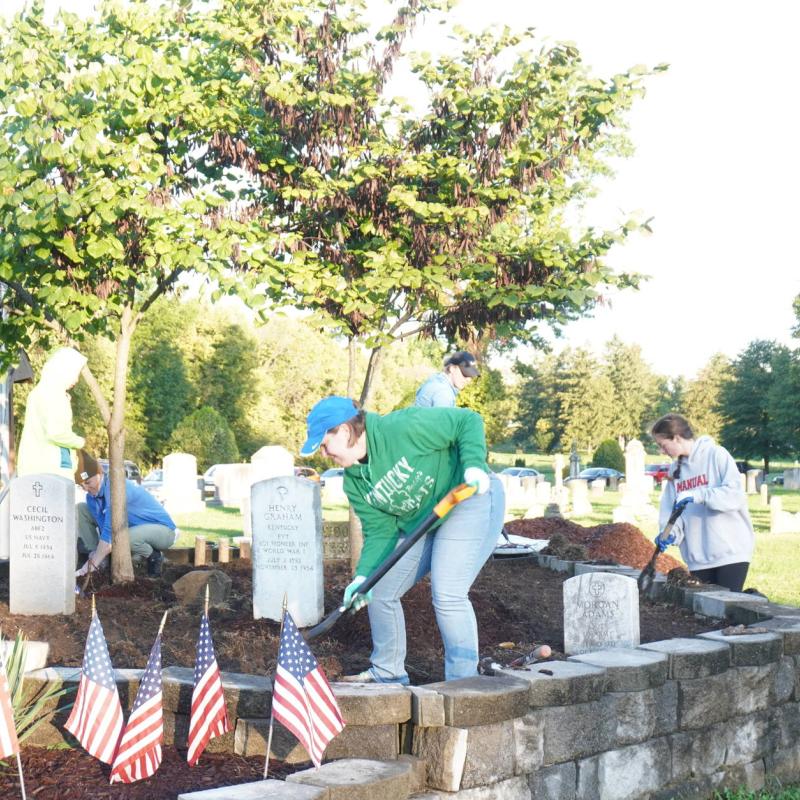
29 709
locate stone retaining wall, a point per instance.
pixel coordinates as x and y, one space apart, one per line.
677 718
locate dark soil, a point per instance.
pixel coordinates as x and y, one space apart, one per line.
518 606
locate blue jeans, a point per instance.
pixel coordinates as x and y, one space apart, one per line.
453 554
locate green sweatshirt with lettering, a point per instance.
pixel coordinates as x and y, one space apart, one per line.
414 457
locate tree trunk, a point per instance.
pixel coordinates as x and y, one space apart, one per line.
351 366
121 563
373 368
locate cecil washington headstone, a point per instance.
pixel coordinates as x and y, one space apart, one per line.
43 542
601 610
286 515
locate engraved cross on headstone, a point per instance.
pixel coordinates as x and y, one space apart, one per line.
37 488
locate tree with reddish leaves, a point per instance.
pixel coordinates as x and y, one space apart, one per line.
447 223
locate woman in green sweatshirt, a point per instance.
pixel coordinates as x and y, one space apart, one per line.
397 467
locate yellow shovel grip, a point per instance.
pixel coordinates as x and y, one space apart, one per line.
453 498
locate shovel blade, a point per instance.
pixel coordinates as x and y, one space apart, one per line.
326 624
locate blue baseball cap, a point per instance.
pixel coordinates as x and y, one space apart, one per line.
326 414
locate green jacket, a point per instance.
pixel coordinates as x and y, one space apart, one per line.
48 442
415 456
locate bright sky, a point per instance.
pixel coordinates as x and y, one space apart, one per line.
716 165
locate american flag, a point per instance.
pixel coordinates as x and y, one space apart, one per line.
302 699
96 718
9 746
209 717
139 753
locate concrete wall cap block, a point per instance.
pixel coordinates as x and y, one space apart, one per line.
482 700
559 683
359 779
444 751
692 658
373 703
427 707
629 670
245 695
259 790
720 604
789 628
750 650
490 755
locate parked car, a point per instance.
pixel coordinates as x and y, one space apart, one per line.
153 483
658 472
595 473
132 472
333 472
776 480
522 472
309 473
209 487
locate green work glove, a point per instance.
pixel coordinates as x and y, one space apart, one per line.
355 601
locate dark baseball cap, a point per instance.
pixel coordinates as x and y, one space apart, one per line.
465 362
87 467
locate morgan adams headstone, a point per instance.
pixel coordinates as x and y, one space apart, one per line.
286 514
601 610
43 541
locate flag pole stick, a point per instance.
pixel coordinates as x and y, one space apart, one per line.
271 714
163 620
205 608
21 779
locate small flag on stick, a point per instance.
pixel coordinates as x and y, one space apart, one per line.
209 717
139 753
96 718
302 699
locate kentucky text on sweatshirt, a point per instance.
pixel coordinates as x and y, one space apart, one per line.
415 456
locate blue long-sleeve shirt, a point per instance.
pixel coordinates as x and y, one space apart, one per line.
143 508
436 392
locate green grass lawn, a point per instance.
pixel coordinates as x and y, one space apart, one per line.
774 570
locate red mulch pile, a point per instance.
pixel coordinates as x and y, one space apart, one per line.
518 605
619 543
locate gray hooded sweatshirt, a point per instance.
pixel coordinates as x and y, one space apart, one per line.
715 529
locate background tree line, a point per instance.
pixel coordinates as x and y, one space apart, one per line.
210 381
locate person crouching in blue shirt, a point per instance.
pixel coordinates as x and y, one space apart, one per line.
150 528
441 389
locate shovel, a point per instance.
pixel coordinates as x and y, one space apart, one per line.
648 574
440 510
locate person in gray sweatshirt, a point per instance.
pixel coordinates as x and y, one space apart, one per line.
714 533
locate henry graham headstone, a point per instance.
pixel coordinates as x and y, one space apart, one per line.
601 610
43 542
286 515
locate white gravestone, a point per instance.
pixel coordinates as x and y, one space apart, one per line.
755 478
286 517
581 506
181 492
764 492
543 492
598 487
43 545
232 482
601 610
558 470
270 461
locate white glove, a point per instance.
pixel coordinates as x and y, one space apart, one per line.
478 478
692 495
355 601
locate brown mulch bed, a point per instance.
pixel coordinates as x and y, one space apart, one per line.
518 606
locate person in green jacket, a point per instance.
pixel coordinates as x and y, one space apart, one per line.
48 443
396 468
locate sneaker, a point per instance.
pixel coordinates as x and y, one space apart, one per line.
154 561
362 677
